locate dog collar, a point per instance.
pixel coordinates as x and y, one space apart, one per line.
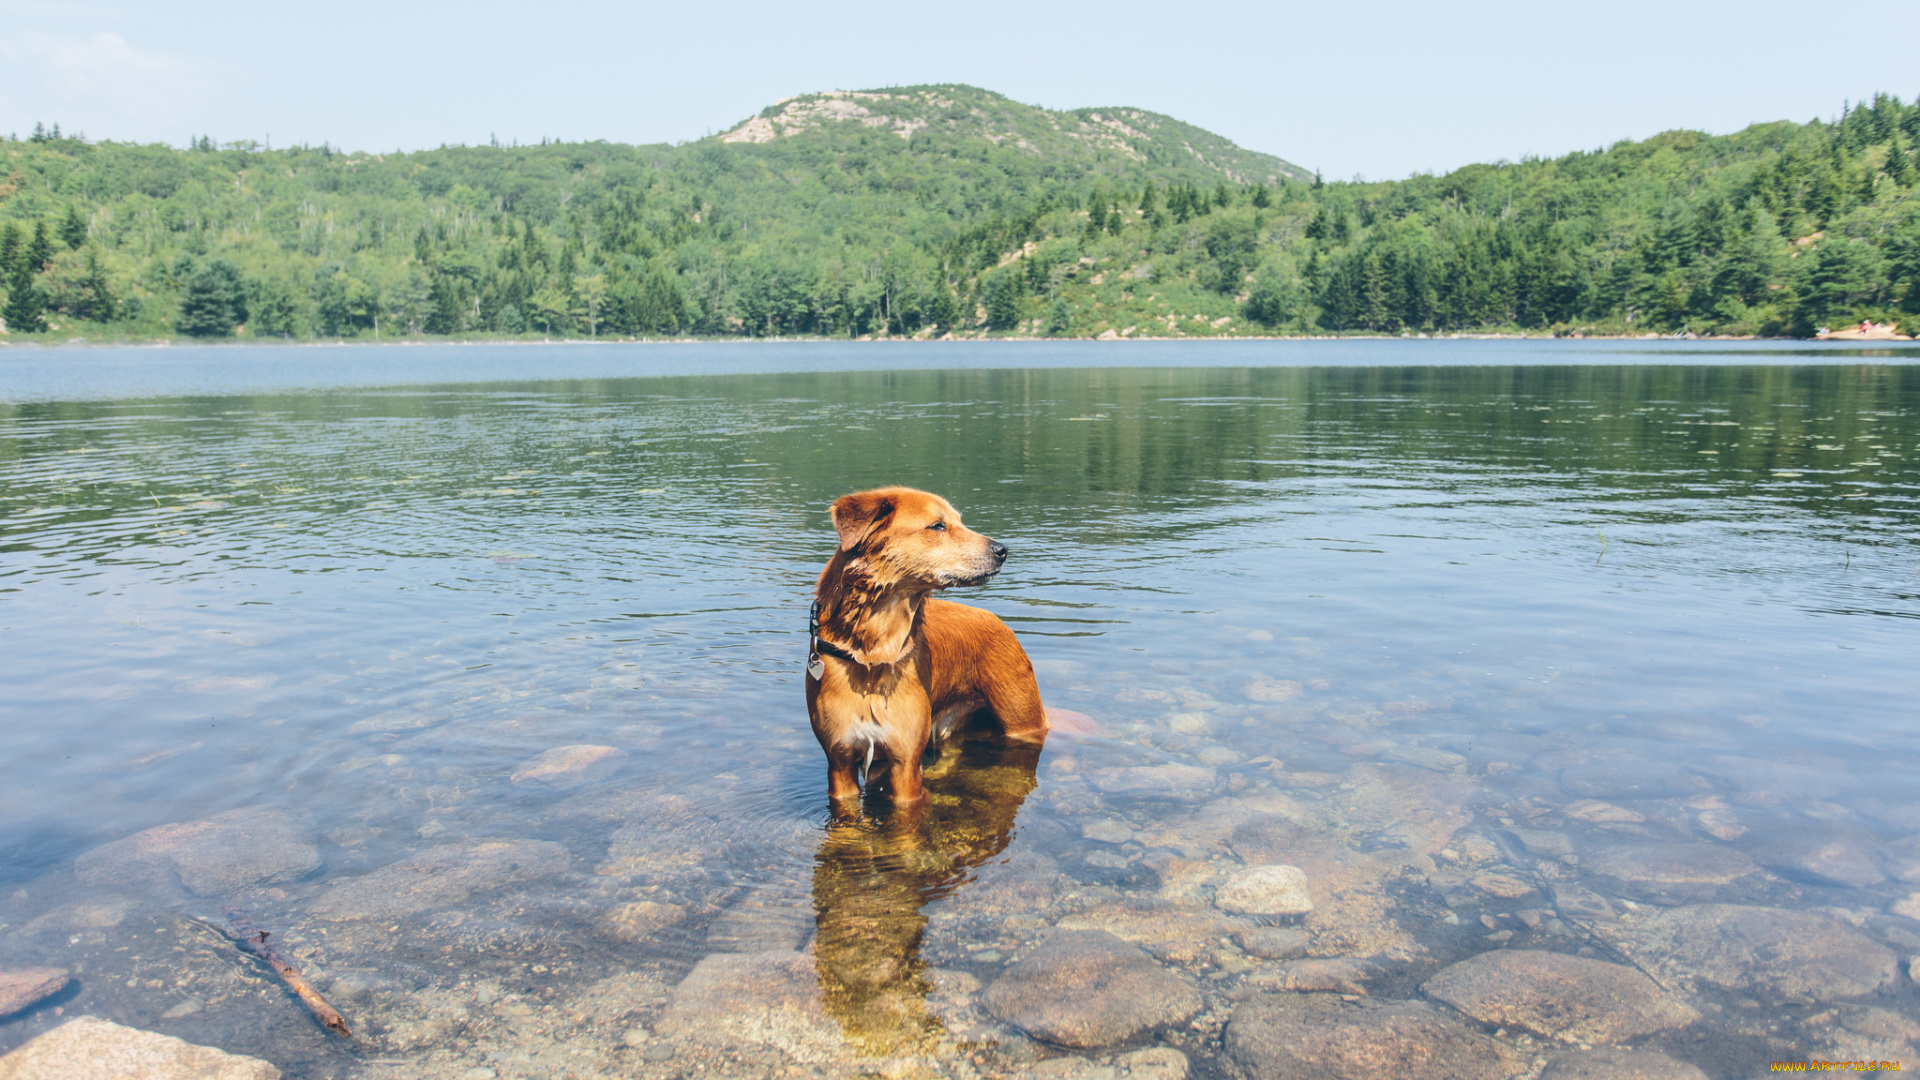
817 645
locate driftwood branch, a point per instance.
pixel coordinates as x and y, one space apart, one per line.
254 942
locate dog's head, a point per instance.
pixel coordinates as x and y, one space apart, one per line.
905 536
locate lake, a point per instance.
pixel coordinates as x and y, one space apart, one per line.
1574 681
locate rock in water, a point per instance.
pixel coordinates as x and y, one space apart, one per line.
1318 1037
87 1048
441 876
22 988
1670 865
1611 1063
1772 954
254 845
1266 890
771 998
564 768
1562 997
1088 988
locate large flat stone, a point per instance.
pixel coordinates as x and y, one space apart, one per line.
254 845
22 988
1772 954
1562 997
1319 1037
439 877
87 1048
1088 988
1668 865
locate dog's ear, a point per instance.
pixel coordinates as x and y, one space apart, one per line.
856 516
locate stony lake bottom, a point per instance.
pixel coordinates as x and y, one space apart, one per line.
1575 683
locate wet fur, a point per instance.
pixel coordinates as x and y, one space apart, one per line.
922 666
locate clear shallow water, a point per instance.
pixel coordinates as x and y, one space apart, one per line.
1540 619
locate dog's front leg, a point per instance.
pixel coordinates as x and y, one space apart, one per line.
843 777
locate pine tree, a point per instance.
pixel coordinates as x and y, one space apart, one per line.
73 231
1003 303
1261 200
26 304
422 247
40 248
1147 201
943 310
1096 214
98 303
443 314
215 301
10 253
1222 195
1060 318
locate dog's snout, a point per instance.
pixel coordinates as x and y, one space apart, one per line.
998 550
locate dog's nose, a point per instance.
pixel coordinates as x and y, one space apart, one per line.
998 550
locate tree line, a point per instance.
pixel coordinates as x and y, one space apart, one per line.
844 232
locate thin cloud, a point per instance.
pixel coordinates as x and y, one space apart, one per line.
101 82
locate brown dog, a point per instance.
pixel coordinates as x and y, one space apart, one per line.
891 668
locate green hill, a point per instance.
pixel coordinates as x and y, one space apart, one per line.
948 209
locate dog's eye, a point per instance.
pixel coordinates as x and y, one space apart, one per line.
938 526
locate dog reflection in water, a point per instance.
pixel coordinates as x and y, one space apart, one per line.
873 877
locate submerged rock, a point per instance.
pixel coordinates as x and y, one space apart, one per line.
1088 988
441 876
1668 865
1340 975
23 988
1273 942
770 998
642 919
564 768
1562 997
1614 1063
1319 1037
1173 932
1164 781
254 845
88 1048
1820 856
1772 954
1278 889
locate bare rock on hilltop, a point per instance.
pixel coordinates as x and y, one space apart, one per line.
254 845
88 1048
1562 997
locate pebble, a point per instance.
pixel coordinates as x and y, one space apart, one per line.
1273 690
1174 932
1504 886
254 845
23 988
1602 812
1564 997
1087 989
1278 889
1107 832
1320 1037
564 768
1340 975
440 876
1615 1063
88 1048
1773 954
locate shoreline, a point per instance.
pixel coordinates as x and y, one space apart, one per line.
422 341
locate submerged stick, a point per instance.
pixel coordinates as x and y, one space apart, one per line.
254 942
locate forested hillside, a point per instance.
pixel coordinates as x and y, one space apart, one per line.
948 209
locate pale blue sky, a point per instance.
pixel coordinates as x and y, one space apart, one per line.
1383 89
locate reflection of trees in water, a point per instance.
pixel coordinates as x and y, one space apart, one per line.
872 878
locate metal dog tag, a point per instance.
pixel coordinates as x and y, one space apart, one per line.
815 667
